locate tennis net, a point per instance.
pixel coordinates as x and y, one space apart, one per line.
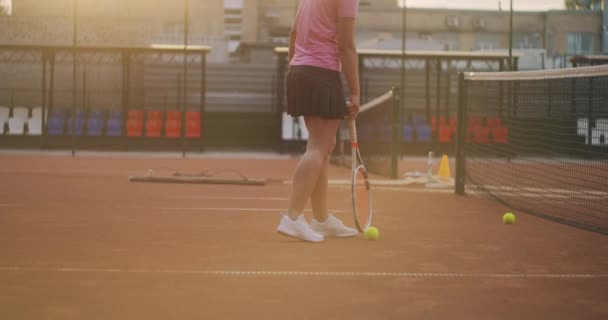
537 141
377 125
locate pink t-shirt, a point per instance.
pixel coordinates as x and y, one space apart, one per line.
317 32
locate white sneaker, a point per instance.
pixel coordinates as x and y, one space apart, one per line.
332 227
298 228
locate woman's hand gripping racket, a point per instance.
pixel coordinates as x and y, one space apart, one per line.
361 190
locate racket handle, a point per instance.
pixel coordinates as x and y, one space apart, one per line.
352 130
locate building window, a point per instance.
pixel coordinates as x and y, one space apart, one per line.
580 43
527 41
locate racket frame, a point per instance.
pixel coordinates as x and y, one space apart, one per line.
358 166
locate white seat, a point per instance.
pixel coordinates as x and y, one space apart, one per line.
599 137
21 113
37 112
582 125
16 126
34 126
601 124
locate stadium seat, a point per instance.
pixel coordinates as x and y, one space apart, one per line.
494 122
21 113
78 123
434 122
601 124
114 127
193 115
16 126
114 114
599 137
37 113
95 123
500 134
424 133
193 128
56 125
173 128
154 115
34 126
418 119
407 133
173 115
445 134
136 115
481 135
153 128
475 122
135 127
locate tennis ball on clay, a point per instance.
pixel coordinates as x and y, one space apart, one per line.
372 233
508 218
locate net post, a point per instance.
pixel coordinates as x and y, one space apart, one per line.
460 136
396 124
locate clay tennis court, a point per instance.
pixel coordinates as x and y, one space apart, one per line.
79 241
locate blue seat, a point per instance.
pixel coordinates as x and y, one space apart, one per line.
407 133
94 127
115 114
95 123
78 123
424 133
56 125
114 128
418 119
59 113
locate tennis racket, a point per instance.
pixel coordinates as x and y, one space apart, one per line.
361 190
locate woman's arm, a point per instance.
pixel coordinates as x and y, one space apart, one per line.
292 36
350 61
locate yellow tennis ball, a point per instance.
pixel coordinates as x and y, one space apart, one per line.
508 218
372 233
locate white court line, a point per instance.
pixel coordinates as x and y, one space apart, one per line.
228 198
159 208
323 274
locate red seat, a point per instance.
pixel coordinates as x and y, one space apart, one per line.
500 134
475 122
135 115
134 127
442 122
173 128
481 135
174 115
445 134
193 116
494 122
155 116
193 129
153 128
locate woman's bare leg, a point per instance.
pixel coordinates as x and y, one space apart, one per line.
313 164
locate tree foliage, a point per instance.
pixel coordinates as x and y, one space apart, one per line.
577 4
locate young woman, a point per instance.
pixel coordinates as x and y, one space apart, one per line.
321 44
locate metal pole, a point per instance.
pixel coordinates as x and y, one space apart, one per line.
185 97
403 47
511 38
460 136
74 44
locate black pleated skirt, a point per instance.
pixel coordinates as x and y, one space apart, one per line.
314 91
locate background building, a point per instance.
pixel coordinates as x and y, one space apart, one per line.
225 24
